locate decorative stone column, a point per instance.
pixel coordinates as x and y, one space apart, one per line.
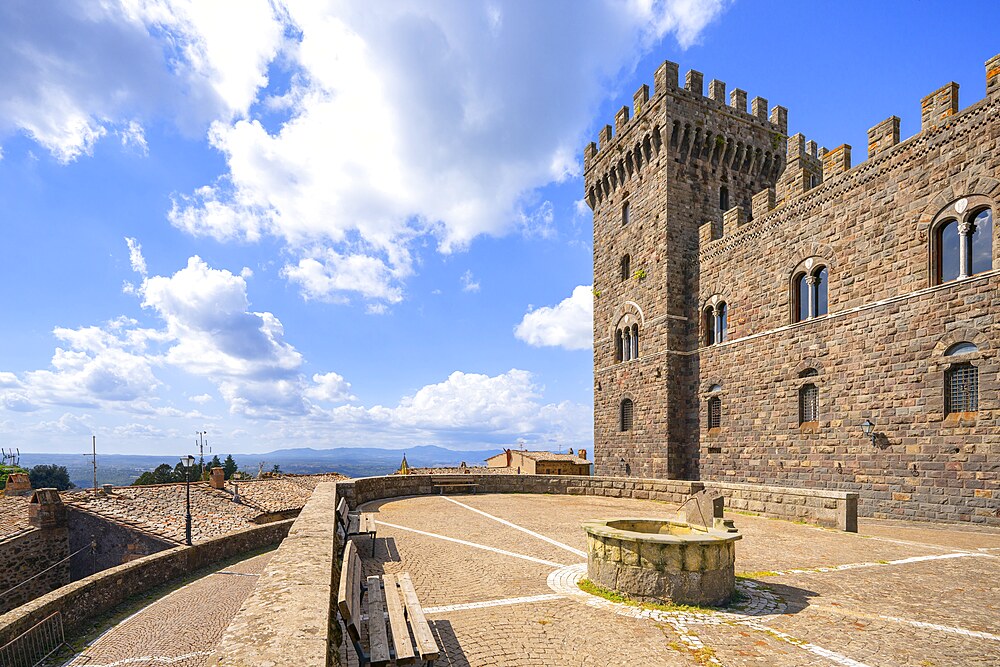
964 245
812 281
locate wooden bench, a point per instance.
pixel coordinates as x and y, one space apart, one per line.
390 600
443 483
361 523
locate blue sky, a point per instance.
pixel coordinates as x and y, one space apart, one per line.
304 224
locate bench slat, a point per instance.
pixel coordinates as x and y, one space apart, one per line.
421 631
349 594
397 621
377 639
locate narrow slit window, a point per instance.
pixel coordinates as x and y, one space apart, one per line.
626 415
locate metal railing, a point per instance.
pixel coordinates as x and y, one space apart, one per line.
34 646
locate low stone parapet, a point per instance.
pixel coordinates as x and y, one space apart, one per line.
832 509
80 601
287 620
366 489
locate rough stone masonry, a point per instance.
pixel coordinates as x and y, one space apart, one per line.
758 298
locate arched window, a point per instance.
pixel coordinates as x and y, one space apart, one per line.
948 248
809 373
626 213
717 323
982 241
964 247
724 198
627 344
626 268
808 404
635 341
619 349
810 294
626 415
965 347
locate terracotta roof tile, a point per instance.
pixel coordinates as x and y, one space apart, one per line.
13 515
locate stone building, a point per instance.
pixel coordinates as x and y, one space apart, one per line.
540 463
758 299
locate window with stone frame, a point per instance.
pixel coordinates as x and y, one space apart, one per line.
808 404
810 293
626 267
714 412
626 417
963 246
627 342
717 323
626 213
724 198
961 389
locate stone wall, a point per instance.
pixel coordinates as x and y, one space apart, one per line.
366 489
288 618
832 509
81 600
116 543
26 555
879 352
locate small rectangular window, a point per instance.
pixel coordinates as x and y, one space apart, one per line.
808 404
962 389
714 412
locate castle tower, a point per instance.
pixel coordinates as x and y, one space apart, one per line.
680 172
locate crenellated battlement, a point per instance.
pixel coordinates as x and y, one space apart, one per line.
807 166
697 129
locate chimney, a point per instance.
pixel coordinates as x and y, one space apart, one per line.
582 454
107 488
18 484
46 509
218 479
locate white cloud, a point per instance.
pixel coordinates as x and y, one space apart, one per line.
568 324
469 284
74 69
201 399
135 256
330 387
133 135
354 174
472 410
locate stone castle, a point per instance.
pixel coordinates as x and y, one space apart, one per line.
766 313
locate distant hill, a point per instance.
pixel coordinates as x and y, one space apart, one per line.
122 469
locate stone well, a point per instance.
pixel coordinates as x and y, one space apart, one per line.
658 560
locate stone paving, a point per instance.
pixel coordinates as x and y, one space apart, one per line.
497 575
181 628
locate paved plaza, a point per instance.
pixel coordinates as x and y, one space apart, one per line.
497 577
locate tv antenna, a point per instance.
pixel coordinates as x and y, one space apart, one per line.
10 457
93 455
200 443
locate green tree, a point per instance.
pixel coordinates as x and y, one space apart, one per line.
229 466
162 474
214 463
50 477
276 469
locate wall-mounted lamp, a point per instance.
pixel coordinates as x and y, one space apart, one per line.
868 428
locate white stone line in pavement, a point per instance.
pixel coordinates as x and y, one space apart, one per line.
237 574
762 604
855 566
160 659
493 603
945 628
576 552
834 657
472 544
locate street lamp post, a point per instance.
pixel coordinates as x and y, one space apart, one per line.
187 462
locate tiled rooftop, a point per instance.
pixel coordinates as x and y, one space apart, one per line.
551 456
159 509
13 515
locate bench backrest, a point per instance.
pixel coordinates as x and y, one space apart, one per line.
349 594
453 479
342 513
